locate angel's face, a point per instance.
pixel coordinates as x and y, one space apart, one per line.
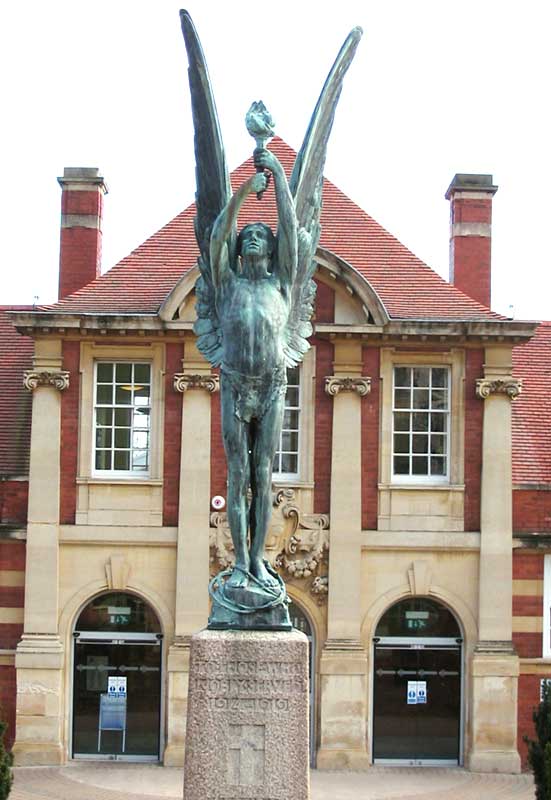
256 240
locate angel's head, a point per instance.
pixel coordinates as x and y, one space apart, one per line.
256 245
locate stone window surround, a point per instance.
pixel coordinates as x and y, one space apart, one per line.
453 359
91 353
404 503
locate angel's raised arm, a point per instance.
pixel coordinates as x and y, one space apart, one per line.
224 225
287 220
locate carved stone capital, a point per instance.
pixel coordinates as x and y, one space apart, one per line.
485 387
32 379
336 383
184 381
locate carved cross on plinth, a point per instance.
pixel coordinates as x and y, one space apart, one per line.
246 755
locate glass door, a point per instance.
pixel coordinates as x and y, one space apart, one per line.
417 703
116 698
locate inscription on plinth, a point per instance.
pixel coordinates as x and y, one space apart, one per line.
247 726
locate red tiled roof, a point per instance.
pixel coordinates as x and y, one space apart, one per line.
408 288
532 409
15 401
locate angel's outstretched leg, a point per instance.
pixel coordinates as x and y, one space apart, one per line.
235 435
264 445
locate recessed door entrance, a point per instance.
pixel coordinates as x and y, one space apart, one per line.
417 685
117 680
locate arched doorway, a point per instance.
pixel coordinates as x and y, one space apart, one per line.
117 680
301 622
417 685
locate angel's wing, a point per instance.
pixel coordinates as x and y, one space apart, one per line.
306 185
213 188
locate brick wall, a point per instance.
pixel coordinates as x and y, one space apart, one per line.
531 511
527 603
370 439
474 410
172 436
14 499
528 699
12 589
70 399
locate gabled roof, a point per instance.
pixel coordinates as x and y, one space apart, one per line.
408 288
15 401
532 409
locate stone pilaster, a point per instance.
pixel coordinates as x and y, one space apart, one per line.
40 653
343 666
192 562
495 664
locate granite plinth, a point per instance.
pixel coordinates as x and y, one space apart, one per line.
247 720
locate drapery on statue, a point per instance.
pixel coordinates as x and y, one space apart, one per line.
254 304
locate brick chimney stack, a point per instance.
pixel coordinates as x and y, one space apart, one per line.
470 199
81 215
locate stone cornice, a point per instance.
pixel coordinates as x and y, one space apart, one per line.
33 379
184 381
485 387
334 384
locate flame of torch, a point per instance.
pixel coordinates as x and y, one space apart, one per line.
260 125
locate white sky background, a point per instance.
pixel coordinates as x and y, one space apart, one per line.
436 88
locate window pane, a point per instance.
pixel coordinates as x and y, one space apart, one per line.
438 423
141 417
401 443
421 376
420 398
401 465
420 465
140 439
142 373
123 417
293 376
401 421
122 437
291 398
103 459
104 394
289 462
123 397
290 420
420 422
438 445
420 443
141 396
139 460
402 376
123 373
402 398
437 465
439 398
439 377
105 373
103 437
289 441
122 459
104 416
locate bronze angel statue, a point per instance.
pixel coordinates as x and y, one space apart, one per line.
254 302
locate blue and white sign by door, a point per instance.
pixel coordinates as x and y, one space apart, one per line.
417 693
116 686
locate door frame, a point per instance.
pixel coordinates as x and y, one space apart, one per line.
118 637
421 643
